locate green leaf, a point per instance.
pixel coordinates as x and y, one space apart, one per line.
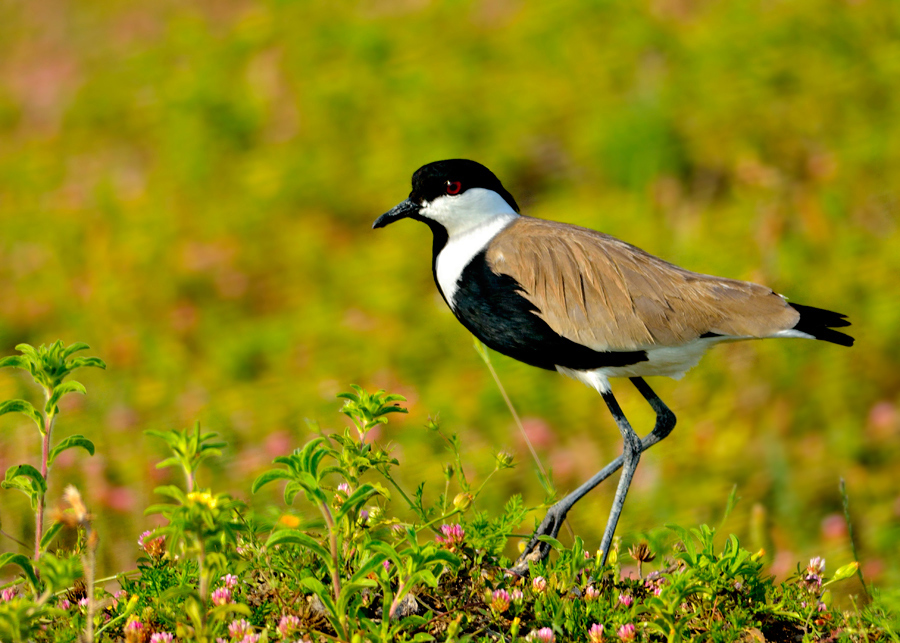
553 542
356 499
292 537
269 476
13 361
74 348
62 389
845 572
221 612
15 473
25 408
70 442
324 595
368 567
80 362
49 535
23 562
28 350
172 492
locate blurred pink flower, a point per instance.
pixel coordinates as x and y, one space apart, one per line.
834 526
538 431
500 600
595 634
543 635
221 596
288 625
278 443
626 632
119 499
239 629
452 535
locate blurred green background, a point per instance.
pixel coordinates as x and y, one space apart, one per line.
189 188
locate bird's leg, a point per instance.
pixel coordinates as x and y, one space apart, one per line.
552 522
631 455
665 419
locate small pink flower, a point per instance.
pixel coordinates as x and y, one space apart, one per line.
626 632
83 602
539 585
118 596
344 488
516 596
626 600
500 600
155 547
595 634
221 596
230 580
239 629
288 625
816 566
161 637
453 535
591 593
543 635
387 565
64 604
8 594
133 631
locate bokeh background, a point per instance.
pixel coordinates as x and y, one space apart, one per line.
189 188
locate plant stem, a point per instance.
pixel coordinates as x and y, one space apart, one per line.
204 580
87 563
45 469
12 538
335 561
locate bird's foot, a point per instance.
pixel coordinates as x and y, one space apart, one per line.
537 550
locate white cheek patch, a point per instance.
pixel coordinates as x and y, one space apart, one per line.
471 209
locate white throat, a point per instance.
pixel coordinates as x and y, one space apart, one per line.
472 219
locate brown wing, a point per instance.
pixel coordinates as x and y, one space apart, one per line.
606 294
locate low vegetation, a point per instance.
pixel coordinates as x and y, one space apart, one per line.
336 563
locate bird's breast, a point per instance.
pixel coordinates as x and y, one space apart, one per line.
459 251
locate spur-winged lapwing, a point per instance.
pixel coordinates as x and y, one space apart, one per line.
585 304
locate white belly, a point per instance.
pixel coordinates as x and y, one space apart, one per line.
670 361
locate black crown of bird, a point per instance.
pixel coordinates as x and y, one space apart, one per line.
570 299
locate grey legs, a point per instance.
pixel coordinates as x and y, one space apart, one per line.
631 454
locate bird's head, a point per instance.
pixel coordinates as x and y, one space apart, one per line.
456 195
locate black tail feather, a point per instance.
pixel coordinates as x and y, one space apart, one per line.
819 323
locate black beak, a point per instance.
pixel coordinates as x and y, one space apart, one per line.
400 211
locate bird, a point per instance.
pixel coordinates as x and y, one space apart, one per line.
570 299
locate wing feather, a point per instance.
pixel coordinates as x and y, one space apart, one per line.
606 294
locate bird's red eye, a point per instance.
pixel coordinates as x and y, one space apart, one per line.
453 187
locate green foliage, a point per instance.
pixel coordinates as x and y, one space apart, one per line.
190 450
367 410
48 366
189 188
362 573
